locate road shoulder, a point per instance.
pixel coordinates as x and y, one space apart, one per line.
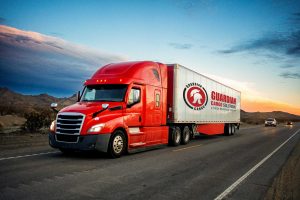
286 184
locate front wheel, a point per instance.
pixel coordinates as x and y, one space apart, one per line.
117 145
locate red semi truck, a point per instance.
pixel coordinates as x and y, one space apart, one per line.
133 106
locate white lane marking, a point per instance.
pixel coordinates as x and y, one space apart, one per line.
187 147
28 155
241 179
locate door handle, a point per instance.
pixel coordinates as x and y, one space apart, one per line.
140 118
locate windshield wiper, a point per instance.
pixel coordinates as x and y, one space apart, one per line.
97 112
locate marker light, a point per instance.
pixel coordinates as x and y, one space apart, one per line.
120 80
96 128
53 126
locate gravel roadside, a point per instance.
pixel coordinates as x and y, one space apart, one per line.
286 184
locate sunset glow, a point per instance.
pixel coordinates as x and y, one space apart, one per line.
54 51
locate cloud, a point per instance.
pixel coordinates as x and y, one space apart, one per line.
287 66
252 100
42 63
268 106
2 20
280 44
290 75
181 46
192 7
274 45
295 18
56 34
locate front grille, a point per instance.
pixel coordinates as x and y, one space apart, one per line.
69 123
67 138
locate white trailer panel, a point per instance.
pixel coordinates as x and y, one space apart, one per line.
199 99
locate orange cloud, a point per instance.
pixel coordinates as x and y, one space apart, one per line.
253 101
268 106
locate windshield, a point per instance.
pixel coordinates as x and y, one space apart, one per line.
270 119
104 93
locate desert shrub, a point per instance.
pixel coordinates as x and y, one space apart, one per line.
1 126
37 120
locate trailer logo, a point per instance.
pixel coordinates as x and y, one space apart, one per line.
195 96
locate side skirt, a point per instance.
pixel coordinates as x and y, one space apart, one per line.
140 149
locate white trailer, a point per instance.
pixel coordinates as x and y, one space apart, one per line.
197 99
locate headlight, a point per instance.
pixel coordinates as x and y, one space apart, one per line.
53 126
96 128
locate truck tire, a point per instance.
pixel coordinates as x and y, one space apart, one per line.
117 144
230 129
174 136
227 129
233 129
185 135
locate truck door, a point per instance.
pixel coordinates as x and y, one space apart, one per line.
157 121
154 135
133 117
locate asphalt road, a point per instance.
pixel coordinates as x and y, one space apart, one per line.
203 169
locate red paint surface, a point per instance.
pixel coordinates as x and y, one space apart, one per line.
145 115
170 92
210 129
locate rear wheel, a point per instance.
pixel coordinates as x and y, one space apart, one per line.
233 129
175 136
185 135
117 145
227 129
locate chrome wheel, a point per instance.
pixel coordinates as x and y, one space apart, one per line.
118 144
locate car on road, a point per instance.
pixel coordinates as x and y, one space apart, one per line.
271 122
289 123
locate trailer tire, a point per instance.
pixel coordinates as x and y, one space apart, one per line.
185 135
227 129
117 144
233 129
175 136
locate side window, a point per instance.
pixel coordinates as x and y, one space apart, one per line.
156 74
157 100
134 96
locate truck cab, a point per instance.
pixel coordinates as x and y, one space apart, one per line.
122 108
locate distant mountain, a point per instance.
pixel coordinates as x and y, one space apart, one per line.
259 117
16 103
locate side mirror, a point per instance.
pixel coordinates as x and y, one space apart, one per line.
53 107
105 106
78 96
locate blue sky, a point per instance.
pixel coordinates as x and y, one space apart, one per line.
251 45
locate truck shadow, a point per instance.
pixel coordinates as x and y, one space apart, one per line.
85 155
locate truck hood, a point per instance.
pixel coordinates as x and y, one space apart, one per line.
89 108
